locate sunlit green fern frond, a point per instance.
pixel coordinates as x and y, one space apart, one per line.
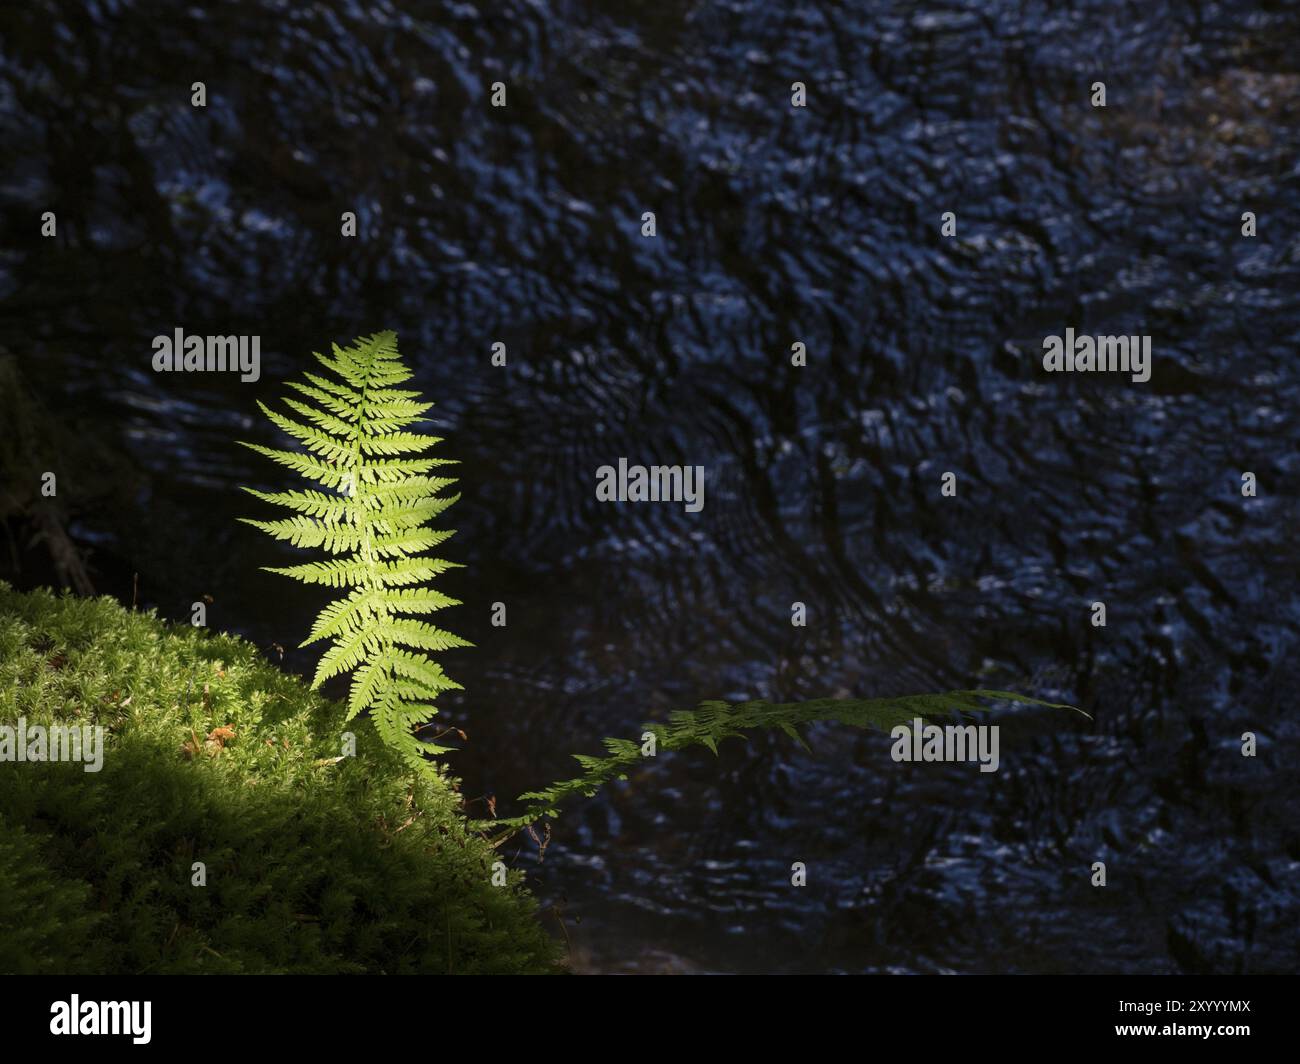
714 721
373 519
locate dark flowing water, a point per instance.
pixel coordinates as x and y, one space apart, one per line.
775 225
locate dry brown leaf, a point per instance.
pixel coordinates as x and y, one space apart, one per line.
191 746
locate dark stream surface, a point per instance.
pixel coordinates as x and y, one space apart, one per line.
775 225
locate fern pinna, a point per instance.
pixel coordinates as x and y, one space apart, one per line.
374 520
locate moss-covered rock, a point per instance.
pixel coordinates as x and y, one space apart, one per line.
314 862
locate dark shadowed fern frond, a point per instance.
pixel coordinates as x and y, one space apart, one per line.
714 721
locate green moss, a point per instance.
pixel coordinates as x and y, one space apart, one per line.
313 864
